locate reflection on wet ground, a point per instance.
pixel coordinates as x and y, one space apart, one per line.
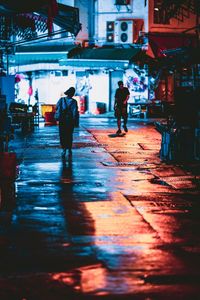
112 222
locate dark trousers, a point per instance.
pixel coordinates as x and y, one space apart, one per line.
66 135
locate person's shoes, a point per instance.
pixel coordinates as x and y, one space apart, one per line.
125 128
63 154
118 131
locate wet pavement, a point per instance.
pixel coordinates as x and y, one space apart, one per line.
114 222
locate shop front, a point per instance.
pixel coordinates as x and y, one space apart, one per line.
181 134
99 69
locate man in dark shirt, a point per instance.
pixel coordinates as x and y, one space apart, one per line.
120 107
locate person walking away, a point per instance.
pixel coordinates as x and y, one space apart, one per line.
67 115
120 107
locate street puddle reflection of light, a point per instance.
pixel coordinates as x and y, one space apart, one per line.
88 279
119 223
43 208
123 242
46 166
93 278
67 278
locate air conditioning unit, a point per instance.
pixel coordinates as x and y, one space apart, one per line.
110 31
124 31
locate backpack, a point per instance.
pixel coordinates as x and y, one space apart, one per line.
62 114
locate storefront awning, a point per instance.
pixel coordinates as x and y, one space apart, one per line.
159 42
44 53
101 57
104 53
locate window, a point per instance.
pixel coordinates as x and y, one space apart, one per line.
159 13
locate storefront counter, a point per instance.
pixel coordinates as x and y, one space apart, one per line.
25 120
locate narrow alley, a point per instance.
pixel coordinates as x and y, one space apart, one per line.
115 222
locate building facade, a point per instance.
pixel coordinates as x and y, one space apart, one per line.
109 41
109 46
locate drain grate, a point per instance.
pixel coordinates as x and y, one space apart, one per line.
119 152
164 197
90 145
42 146
75 145
121 164
164 205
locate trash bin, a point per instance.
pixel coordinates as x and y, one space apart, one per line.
101 107
8 163
49 118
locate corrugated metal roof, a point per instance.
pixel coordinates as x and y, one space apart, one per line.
104 53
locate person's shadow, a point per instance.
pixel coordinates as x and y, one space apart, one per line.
66 174
78 219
